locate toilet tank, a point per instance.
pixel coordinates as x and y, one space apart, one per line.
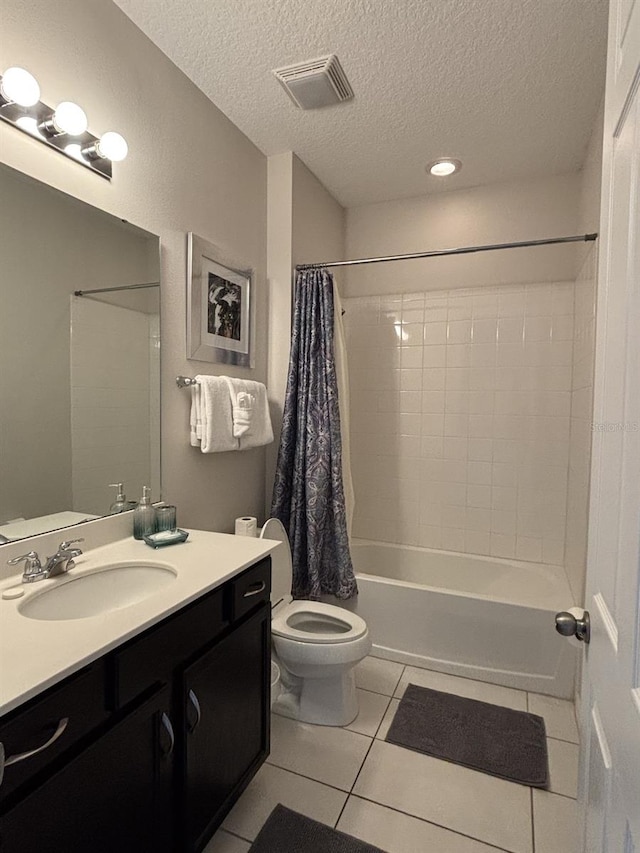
281 565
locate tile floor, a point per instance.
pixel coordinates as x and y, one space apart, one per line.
403 801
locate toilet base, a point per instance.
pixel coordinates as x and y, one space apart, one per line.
330 701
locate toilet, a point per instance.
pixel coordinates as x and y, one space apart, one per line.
315 645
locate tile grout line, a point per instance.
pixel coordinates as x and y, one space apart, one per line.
355 781
382 717
375 692
310 778
564 740
344 805
394 688
429 822
556 794
402 672
467 678
230 832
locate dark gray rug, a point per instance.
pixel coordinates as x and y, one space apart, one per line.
496 740
289 832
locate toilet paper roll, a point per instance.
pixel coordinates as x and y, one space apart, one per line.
246 526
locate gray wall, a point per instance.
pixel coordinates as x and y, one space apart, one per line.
189 169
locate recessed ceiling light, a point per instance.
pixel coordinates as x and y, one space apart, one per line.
444 166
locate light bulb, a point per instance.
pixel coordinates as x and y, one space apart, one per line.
112 146
442 168
69 118
73 149
19 87
30 125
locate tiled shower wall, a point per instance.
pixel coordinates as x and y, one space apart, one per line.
460 418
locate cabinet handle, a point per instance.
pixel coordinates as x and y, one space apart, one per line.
194 701
260 586
14 759
165 722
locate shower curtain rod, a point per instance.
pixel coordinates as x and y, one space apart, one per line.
464 250
120 287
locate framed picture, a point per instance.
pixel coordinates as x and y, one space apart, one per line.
219 326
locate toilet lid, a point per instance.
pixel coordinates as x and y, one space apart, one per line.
315 622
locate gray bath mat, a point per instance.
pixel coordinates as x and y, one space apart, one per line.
289 832
496 740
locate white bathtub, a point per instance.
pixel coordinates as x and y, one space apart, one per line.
478 617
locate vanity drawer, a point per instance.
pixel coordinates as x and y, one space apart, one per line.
61 717
152 657
249 589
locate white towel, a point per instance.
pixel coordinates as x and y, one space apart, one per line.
216 430
195 419
250 412
242 405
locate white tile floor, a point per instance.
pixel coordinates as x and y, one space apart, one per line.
403 801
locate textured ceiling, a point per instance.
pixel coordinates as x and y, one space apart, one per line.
511 87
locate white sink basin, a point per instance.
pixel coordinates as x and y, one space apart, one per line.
97 591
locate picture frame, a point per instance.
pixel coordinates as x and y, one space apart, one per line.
219 306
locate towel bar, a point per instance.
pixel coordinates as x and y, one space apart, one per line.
185 381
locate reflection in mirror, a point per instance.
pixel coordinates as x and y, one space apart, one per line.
79 375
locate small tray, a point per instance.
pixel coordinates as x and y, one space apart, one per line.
178 536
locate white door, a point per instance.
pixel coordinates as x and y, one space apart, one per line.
610 773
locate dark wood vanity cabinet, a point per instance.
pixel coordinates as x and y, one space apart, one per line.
114 795
168 732
226 735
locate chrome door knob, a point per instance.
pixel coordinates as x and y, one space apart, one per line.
569 626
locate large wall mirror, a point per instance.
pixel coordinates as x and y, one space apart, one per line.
79 374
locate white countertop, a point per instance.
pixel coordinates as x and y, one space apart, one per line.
35 654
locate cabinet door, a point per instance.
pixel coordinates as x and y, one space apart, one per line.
114 796
226 701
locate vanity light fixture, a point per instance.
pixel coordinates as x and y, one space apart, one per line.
63 128
19 87
67 118
444 166
111 145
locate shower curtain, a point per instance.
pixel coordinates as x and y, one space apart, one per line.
308 492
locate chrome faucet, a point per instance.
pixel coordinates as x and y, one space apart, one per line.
63 559
57 564
33 571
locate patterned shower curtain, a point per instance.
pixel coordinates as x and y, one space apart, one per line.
308 493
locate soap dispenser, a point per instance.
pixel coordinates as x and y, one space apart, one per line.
120 504
144 516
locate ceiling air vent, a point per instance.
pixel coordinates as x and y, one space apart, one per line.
317 83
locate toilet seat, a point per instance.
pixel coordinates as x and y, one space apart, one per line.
315 622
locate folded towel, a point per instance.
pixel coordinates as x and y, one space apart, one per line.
250 412
195 419
216 430
243 414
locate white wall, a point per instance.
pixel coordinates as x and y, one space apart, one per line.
306 224
460 418
189 169
498 213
